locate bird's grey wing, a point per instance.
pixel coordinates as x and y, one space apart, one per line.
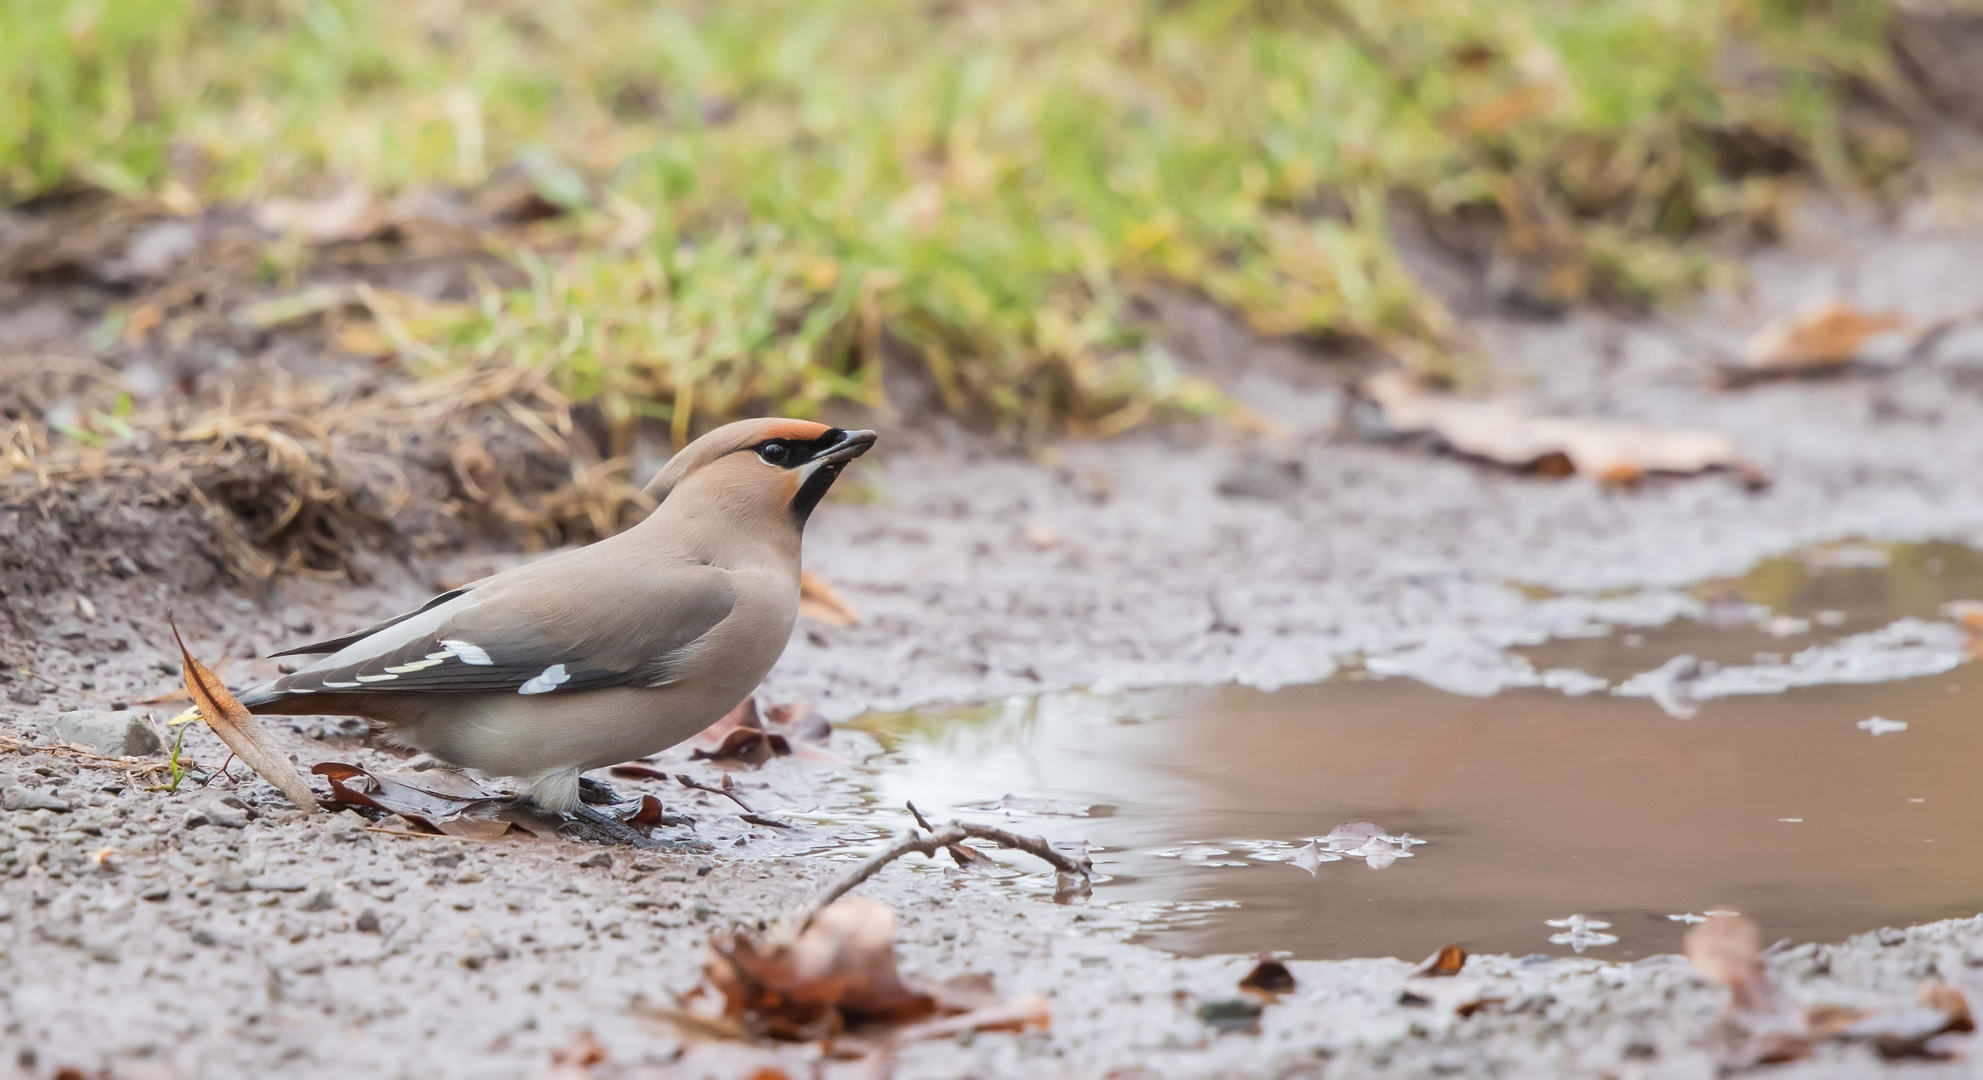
533 638
339 643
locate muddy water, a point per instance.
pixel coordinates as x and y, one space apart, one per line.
1512 812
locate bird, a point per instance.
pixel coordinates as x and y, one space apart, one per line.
604 653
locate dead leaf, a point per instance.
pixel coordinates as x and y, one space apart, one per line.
453 804
1445 963
139 324
239 729
820 601
1269 978
1825 337
839 972
432 799
1498 114
1727 949
1950 1001
798 722
745 744
575 1060
1614 451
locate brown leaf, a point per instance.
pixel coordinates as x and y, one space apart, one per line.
1614 451
1950 1002
437 800
1829 335
745 744
1727 949
798 721
1444 963
1498 114
839 971
819 600
1269 978
576 1059
239 729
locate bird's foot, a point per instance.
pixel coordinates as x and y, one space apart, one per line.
597 792
600 827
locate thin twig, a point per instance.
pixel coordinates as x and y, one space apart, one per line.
929 844
959 854
748 814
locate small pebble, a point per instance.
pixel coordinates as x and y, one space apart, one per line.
367 922
602 860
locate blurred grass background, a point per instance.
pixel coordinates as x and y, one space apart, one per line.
760 190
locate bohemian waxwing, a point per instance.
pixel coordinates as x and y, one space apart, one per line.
604 653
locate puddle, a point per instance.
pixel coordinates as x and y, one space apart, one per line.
1525 821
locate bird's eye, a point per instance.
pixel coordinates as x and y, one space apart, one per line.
774 453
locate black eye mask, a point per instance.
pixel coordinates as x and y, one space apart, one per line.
792 453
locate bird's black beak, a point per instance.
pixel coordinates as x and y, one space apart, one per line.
852 444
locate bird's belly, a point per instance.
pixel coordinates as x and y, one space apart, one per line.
530 735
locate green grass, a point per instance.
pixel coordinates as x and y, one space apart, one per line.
769 186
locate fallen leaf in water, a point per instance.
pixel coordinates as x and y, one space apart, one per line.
1445 963
740 736
839 972
819 600
239 729
1614 451
1727 949
1825 337
1269 978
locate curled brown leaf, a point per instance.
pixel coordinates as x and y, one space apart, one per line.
239 729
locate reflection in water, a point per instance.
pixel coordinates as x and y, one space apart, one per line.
1820 811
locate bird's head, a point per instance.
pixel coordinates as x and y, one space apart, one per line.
761 468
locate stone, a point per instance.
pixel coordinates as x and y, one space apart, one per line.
602 860
367 923
226 811
228 877
276 884
319 900
113 734
156 892
27 798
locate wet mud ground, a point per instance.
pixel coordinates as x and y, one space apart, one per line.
140 943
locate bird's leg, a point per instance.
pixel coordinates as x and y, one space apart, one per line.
597 792
600 827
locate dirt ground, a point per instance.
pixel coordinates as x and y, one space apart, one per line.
137 944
